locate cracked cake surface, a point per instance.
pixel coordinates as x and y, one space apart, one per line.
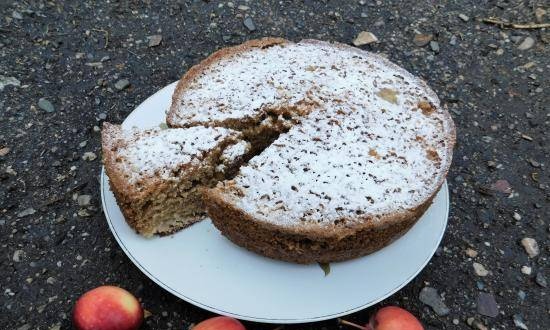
376 143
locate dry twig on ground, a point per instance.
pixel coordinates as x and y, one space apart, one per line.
501 23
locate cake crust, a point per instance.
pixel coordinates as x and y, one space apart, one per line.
307 245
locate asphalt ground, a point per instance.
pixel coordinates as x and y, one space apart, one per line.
63 71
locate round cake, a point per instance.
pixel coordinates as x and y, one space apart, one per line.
349 148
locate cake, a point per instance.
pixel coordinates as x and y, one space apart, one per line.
157 174
304 152
348 148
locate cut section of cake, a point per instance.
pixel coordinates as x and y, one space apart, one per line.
157 174
357 148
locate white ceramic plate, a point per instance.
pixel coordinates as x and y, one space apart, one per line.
202 267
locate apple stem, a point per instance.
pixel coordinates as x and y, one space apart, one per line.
344 322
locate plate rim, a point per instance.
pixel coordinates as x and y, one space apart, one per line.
104 185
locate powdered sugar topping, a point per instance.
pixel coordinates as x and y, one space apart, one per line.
164 152
377 143
235 151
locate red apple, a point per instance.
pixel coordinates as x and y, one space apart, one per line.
390 318
107 308
220 323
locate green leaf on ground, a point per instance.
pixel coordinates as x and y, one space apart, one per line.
325 267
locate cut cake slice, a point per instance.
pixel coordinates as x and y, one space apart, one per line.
157 174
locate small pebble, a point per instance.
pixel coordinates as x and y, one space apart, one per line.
475 324
541 280
249 24
434 45
502 186
480 270
122 84
18 255
526 270
486 305
463 17
518 322
97 65
17 15
531 247
26 212
89 156
45 105
430 297
453 40
84 200
422 40
83 213
365 38
471 253
539 14
526 44
154 40
5 81
517 216
533 163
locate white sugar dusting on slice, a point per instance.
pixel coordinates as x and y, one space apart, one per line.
377 143
235 151
163 152
232 153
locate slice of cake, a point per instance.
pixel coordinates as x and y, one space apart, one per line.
356 146
157 174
